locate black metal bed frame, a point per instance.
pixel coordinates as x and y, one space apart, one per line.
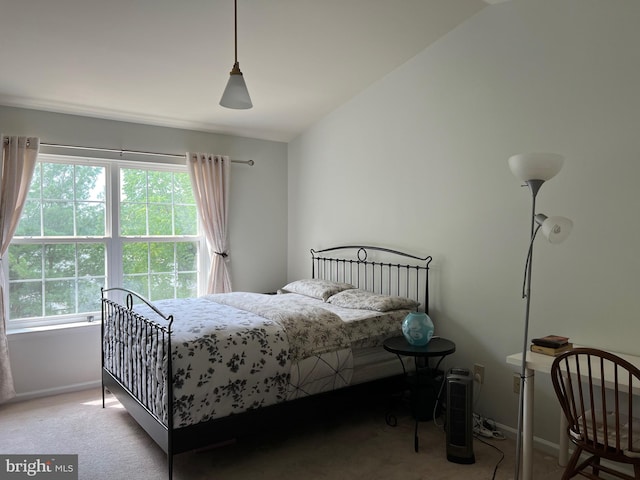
121 325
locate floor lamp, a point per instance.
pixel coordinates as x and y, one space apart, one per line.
534 169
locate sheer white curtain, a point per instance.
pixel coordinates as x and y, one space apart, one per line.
210 175
19 156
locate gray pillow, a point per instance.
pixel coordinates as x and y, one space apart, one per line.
363 300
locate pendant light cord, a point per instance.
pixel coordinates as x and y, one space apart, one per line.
235 28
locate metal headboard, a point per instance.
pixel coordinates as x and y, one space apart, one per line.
383 273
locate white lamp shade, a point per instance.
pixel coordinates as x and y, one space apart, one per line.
555 229
535 166
236 94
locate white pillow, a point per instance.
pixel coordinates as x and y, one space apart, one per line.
316 288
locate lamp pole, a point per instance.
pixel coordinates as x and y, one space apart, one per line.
534 186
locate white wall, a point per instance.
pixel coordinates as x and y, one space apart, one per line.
418 161
61 359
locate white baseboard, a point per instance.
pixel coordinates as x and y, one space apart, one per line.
20 397
538 443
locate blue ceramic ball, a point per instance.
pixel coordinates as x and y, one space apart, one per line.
417 328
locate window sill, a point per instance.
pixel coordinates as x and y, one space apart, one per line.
52 328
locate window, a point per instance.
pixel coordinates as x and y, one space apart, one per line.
92 223
159 207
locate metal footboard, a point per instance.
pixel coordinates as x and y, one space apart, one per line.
137 364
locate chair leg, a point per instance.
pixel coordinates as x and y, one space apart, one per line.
570 469
636 471
595 466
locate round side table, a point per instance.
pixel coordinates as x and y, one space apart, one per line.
436 348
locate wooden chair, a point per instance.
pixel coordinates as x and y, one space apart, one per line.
595 390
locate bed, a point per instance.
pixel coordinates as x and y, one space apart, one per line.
197 371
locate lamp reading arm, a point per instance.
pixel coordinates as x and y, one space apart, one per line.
555 230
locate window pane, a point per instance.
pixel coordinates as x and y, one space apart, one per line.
133 185
133 219
157 203
89 183
57 181
186 256
63 263
91 260
162 257
160 187
29 225
182 192
89 294
187 285
162 286
137 283
90 217
135 258
59 297
171 268
60 261
55 210
58 219
25 262
186 220
25 300
160 217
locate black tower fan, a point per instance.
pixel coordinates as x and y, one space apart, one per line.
459 417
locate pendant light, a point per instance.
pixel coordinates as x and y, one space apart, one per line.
236 94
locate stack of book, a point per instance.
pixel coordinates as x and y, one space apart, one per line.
551 345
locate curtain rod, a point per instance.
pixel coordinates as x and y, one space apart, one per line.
123 151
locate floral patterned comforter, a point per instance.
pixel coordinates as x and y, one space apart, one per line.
239 351
225 361
310 328
319 344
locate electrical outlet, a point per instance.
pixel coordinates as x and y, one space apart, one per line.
516 383
478 373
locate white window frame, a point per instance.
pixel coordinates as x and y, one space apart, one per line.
112 240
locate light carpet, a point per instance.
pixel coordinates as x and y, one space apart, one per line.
355 445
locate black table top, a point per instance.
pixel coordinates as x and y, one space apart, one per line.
437 347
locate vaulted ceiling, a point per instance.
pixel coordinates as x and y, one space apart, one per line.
166 62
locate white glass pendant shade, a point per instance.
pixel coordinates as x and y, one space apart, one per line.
236 95
535 166
555 229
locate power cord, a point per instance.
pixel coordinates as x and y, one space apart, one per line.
437 402
483 427
476 392
495 469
